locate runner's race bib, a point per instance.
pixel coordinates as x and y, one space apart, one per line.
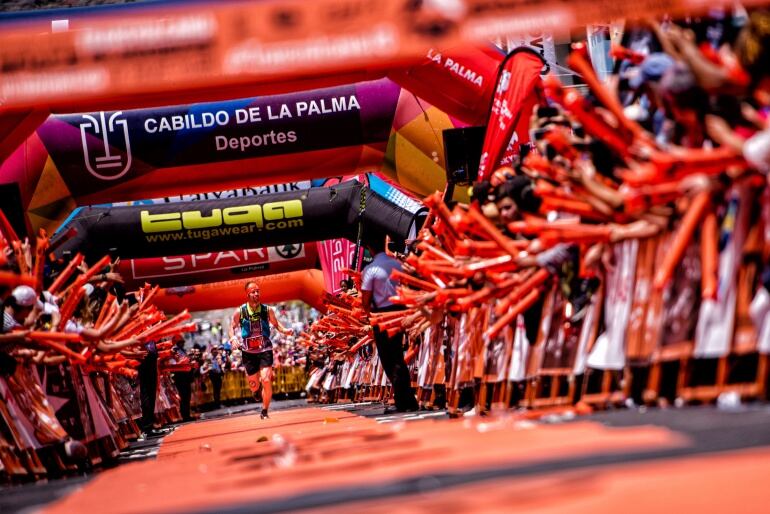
255 344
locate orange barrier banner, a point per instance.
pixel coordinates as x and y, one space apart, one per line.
127 53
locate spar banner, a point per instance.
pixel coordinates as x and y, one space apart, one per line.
514 98
218 225
200 268
115 155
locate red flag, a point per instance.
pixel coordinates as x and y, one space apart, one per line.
336 256
516 94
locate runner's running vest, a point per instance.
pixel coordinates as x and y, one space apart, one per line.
255 329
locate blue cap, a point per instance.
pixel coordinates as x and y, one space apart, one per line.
652 69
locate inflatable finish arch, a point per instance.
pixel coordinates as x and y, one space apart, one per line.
305 285
99 157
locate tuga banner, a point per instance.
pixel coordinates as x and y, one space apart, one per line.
199 268
231 224
514 98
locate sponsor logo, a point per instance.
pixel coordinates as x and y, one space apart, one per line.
180 291
106 166
288 251
236 220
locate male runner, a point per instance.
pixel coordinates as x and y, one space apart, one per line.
252 321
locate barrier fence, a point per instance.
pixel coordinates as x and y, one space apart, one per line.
287 380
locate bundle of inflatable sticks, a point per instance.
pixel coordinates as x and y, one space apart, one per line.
69 351
617 261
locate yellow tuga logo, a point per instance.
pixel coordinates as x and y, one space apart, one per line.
271 214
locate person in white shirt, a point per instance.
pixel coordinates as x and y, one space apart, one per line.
376 289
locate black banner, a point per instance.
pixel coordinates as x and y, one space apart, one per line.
181 228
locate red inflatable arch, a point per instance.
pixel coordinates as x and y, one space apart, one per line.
56 163
305 285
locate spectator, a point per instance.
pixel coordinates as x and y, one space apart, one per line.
377 288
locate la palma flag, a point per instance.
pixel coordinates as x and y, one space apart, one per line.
517 92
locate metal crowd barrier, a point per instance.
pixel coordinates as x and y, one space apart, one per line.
286 380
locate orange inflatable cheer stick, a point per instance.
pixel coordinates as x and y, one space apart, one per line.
579 207
692 217
709 256
429 248
138 324
55 336
109 308
532 282
411 281
621 52
578 61
151 333
148 296
492 232
66 273
39 266
360 344
442 213
6 229
593 124
510 315
666 166
89 273
487 293
483 249
70 304
175 331
559 141
538 226
645 196
11 280
61 348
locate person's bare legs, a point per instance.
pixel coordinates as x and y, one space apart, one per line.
266 377
253 381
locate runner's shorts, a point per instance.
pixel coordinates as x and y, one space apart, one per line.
253 362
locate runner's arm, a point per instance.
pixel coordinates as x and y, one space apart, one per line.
235 323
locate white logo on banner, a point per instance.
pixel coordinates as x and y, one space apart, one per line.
107 166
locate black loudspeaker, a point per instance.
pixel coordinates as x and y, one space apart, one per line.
462 149
10 203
